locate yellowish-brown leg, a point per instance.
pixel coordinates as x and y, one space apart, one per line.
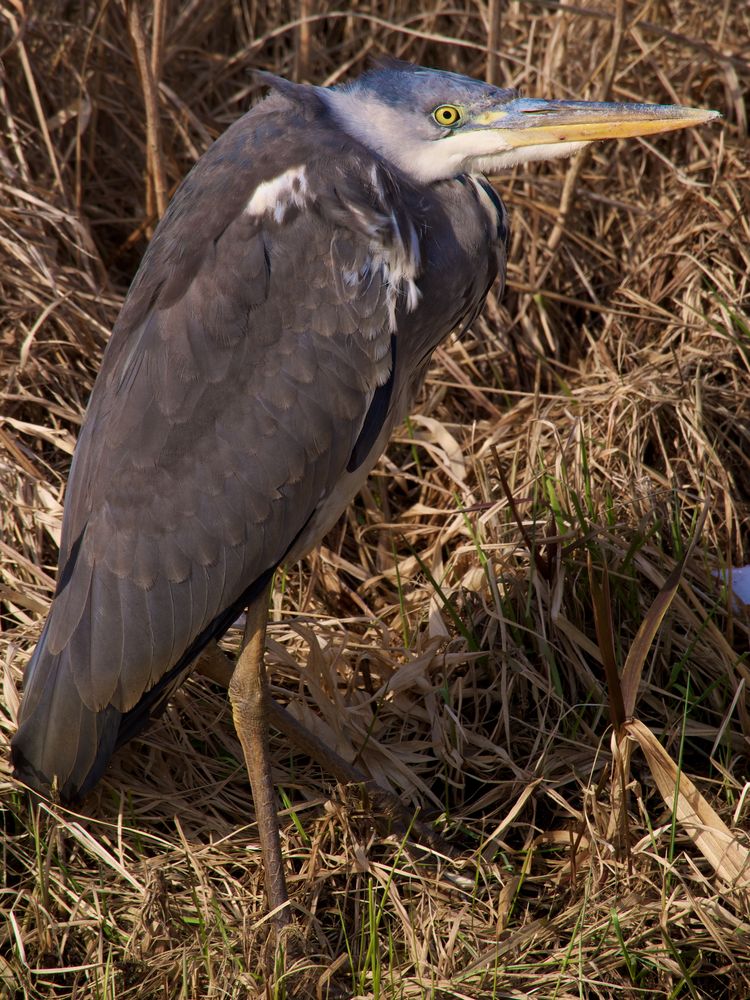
216 665
248 692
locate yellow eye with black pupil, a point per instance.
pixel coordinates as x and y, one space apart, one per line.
446 115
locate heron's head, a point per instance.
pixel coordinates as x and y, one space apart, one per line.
435 125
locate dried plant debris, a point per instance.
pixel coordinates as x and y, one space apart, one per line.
566 500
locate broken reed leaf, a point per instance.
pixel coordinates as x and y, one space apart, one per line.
713 838
633 669
617 828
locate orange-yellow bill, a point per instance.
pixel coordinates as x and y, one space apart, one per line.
529 122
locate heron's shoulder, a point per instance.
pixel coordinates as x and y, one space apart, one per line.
280 156
281 178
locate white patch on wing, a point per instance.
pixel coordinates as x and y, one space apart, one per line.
274 197
394 257
399 272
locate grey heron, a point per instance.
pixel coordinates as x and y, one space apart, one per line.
279 327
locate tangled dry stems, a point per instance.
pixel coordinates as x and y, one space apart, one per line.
444 638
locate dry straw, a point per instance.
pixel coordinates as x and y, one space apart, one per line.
518 628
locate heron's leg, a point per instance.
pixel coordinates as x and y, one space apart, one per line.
217 666
248 692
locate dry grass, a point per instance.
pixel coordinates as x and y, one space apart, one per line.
446 637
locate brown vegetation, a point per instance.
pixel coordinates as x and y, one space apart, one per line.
461 645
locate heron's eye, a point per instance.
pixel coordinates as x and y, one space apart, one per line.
447 115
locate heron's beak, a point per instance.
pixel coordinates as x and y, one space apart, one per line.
529 122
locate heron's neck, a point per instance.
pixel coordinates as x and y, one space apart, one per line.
380 129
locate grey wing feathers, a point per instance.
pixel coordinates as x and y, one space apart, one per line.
228 402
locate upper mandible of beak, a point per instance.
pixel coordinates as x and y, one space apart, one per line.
526 121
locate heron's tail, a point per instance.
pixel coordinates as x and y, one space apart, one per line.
58 737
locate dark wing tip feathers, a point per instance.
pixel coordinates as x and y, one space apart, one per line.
74 751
